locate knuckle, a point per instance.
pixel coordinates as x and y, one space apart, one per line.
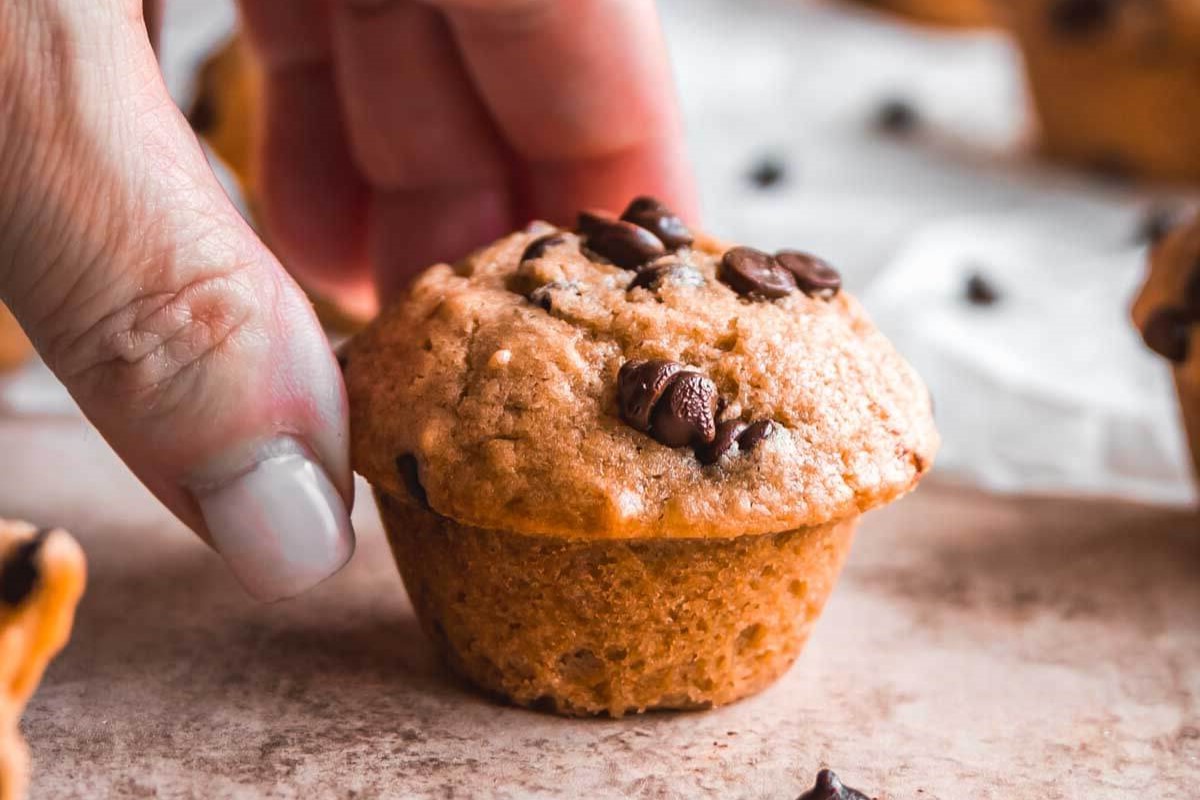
154 352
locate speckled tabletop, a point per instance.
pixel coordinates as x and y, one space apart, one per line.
975 648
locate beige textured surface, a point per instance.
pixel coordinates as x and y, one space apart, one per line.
614 626
32 633
1125 96
511 410
975 647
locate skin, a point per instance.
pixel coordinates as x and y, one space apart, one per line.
398 133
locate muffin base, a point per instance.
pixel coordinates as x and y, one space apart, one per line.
583 627
947 13
1106 107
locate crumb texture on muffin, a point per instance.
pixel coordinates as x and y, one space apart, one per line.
614 626
492 392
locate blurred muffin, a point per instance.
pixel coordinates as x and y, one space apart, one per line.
1116 83
41 581
1167 312
953 13
15 348
620 468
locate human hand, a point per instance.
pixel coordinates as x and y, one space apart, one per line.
179 333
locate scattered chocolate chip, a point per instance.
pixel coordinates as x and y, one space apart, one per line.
623 243
652 276
755 274
543 296
754 434
829 787
1156 224
538 247
19 574
814 276
768 173
979 291
1168 333
896 115
654 216
724 440
1080 17
640 385
410 474
687 412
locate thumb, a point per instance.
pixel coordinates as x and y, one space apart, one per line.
177 332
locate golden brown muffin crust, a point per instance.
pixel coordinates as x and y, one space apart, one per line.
508 404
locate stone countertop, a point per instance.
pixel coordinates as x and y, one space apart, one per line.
975 648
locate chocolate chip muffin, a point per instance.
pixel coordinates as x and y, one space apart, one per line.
15 348
620 466
1116 83
951 13
1167 312
41 580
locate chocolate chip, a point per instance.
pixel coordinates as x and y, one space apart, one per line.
654 216
1168 333
410 474
896 115
829 787
814 276
754 434
640 385
687 412
768 173
623 243
202 116
755 274
1156 224
979 291
1080 17
538 247
19 574
652 276
724 440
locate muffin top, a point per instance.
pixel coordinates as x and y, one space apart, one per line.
1167 311
629 380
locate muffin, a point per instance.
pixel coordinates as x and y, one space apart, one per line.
620 467
1167 312
41 580
1116 83
951 13
15 348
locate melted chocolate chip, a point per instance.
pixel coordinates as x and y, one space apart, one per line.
640 385
768 173
687 412
754 434
652 276
654 216
1080 17
724 440
1168 333
829 787
896 115
623 243
755 274
538 247
979 291
19 574
814 276
410 474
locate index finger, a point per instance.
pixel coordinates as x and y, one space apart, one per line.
582 91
